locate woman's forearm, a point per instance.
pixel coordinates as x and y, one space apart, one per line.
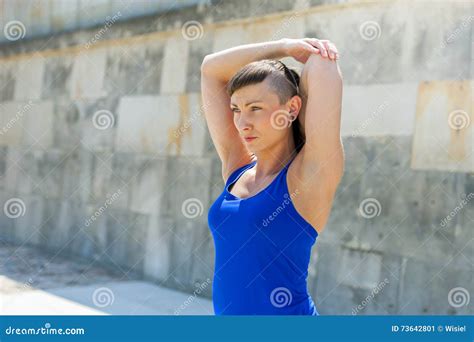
224 64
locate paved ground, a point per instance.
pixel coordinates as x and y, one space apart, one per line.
33 282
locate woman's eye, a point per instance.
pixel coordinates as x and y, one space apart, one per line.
235 110
256 108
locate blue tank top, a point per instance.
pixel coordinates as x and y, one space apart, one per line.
262 251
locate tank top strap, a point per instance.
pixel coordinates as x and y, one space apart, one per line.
236 174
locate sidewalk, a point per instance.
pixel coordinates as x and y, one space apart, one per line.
36 283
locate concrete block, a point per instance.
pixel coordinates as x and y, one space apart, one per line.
426 288
29 78
134 69
38 125
124 170
41 173
28 226
7 224
57 76
3 165
198 49
444 132
7 80
96 11
67 129
387 109
101 175
64 15
98 123
126 238
12 118
175 65
190 136
226 37
77 170
148 185
157 249
88 74
359 268
146 124
55 230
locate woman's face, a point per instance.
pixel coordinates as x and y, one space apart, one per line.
258 113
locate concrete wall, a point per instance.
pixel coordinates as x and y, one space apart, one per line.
105 153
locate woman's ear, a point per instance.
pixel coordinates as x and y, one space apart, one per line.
295 104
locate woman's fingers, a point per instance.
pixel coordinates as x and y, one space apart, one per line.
319 44
332 51
325 46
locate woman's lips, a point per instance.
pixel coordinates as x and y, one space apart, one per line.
249 139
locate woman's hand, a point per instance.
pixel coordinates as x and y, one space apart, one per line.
301 49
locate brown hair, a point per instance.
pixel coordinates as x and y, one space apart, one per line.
284 81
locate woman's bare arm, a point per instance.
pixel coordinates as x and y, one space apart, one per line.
224 64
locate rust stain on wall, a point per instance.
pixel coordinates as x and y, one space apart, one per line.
443 131
175 134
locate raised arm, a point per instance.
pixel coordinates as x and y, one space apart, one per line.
216 70
321 85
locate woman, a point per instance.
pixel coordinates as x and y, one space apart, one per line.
278 137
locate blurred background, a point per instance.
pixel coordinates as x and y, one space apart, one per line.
107 170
